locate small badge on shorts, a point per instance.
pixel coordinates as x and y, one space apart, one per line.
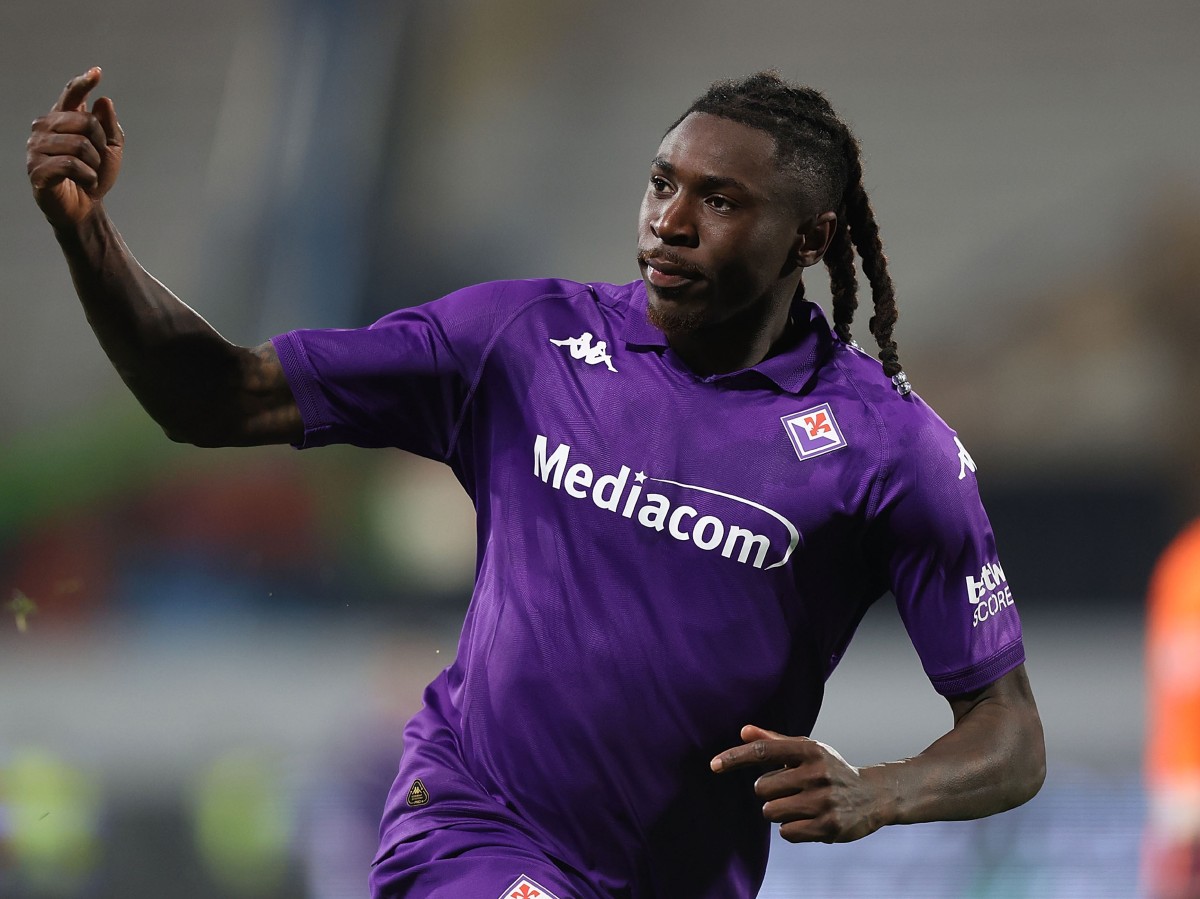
814 431
524 888
417 794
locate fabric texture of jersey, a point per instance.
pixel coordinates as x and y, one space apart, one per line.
662 558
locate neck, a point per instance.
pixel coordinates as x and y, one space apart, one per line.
737 343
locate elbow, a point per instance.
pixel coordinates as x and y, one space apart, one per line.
180 416
176 434
1024 738
1030 773
1037 773
191 435
1029 784
189 420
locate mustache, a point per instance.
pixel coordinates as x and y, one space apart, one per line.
674 260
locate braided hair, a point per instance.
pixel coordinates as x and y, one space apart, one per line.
821 154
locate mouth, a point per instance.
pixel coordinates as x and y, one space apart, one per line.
666 271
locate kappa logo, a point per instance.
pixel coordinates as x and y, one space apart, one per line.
525 888
417 794
814 431
582 348
965 462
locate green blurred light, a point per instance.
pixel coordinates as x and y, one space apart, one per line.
243 823
53 812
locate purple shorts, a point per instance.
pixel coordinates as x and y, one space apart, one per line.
472 859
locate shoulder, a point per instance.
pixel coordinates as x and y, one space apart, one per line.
492 305
519 294
924 491
907 431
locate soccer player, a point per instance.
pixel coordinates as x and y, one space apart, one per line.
689 489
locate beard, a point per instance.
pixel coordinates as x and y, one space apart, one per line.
676 318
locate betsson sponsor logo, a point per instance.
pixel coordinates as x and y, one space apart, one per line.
614 493
990 594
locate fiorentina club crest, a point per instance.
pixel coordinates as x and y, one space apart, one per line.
524 888
814 431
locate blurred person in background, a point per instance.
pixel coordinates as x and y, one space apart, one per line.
689 489
1171 862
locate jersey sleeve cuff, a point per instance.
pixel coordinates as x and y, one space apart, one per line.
302 380
982 674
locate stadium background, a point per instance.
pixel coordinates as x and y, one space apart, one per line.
206 702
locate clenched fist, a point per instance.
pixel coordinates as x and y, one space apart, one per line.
73 155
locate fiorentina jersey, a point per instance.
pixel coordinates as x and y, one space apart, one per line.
662 558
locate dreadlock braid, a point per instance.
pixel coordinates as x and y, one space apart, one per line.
822 155
843 282
864 232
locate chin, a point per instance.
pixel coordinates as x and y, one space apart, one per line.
673 315
676 318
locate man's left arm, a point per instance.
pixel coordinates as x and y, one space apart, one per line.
993 759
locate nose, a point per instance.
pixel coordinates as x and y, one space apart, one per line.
672 223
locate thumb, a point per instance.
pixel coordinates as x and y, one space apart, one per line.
106 113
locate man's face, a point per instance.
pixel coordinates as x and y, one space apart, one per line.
719 227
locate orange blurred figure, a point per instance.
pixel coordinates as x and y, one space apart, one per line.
1171 860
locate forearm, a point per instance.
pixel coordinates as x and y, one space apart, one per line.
993 760
179 368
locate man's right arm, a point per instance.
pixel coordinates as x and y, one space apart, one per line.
200 388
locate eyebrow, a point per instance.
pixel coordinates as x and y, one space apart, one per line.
707 182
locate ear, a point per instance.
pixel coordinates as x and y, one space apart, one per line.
813 238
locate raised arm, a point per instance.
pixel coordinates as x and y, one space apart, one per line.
199 387
993 759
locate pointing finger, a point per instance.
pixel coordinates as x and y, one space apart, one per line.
763 749
77 90
751 732
757 754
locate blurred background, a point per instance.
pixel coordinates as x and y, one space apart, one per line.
206 655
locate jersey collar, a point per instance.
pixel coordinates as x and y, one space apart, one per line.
790 370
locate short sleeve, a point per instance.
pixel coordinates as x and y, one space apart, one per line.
934 541
404 381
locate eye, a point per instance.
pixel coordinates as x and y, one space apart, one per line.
659 184
720 203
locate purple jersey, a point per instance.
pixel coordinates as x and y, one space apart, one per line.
662 558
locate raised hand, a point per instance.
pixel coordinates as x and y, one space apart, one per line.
73 155
810 790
